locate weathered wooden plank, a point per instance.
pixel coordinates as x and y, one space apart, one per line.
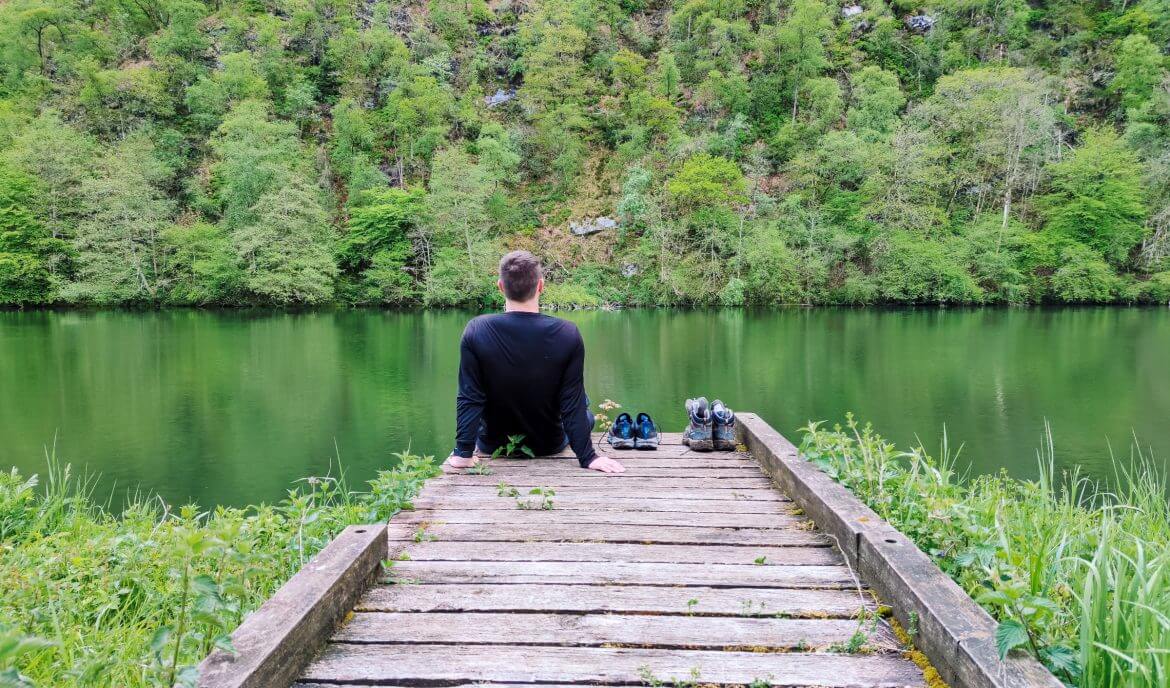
279 638
567 501
444 663
583 478
630 599
567 516
665 438
640 460
627 489
691 632
662 450
599 551
633 470
601 573
558 532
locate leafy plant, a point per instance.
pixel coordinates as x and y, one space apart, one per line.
538 498
514 446
1074 574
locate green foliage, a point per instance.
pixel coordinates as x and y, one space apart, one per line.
1073 573
1096 196
698 123
706 181
138 598
29 257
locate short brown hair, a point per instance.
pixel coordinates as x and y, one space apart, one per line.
520 272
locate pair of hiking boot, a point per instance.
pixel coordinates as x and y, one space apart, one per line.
629 433
711 426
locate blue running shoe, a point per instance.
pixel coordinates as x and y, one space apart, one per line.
621 433
697 436
723 430
645 432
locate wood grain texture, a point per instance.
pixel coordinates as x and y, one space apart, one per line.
616 572
608 552
630 490
567 500
631 599
561 532
712 479
691 632
639 459
566 516
507 663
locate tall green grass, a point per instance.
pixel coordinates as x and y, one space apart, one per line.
90 597
1076 574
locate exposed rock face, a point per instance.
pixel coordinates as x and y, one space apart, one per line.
499 97
630 269
920 22
586 227
851 11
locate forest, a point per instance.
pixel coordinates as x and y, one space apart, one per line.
652 152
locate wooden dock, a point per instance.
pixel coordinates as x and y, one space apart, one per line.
690 568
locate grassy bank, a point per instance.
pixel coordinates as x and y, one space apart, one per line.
1076 574
90 597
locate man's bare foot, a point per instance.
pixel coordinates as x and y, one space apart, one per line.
456 462
606 465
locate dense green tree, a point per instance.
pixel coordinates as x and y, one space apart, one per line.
876 101
1139 71
800 45
1096 196
285 247
119 237
30 259
202 266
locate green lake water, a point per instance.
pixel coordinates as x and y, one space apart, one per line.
231 407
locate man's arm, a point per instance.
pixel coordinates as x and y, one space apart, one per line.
576 416
468 404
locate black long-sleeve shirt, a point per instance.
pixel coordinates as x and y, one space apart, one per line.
523 374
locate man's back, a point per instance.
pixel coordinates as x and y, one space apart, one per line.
521 373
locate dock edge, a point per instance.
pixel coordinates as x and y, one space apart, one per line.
954 632
275 642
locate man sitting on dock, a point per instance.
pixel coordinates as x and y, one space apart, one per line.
522 373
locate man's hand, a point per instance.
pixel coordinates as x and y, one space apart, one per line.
606 465
458 462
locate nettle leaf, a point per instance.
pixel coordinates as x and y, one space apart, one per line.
159 641
1061 659
1009 635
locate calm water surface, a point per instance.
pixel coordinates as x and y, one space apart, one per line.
232 407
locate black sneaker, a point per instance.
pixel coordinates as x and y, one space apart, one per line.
697 436
645 432
621 433
723 427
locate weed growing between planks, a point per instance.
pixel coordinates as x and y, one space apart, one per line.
1074 574
138 598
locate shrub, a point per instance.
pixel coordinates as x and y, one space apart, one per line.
1074 573
137 598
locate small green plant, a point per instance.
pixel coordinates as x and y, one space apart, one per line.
760 561
646 674
514 446
481 468
691 604
761 682
538 498
503 489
